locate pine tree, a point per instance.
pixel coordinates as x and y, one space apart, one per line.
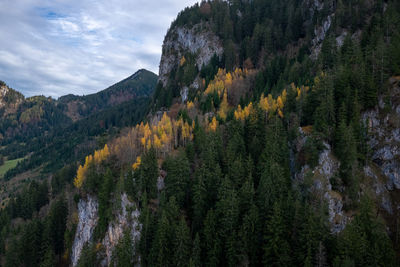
31 242
160 254
199 193
211 241
324 115
57 223
182 244
249 241
364 242
104 205
195 259
147 234
276 248
177 179
88 256
149 173
123 252
48 259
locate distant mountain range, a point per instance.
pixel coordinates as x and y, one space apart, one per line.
41 125
24 118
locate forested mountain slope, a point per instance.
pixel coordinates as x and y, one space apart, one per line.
140 84
27 118
35 123
272 140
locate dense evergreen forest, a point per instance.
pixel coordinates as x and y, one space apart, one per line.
215 177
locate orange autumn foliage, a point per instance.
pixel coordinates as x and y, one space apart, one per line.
97 158
212 126
136 165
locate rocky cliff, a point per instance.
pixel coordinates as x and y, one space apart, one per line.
381 177
88 217
127 218
321 186
9 99
198 40
383 124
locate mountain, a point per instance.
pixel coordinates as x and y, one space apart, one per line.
26 118
272 138
9 99
140 84
35 129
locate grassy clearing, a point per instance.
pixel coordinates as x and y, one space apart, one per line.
8 164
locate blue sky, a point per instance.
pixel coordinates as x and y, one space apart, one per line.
58 47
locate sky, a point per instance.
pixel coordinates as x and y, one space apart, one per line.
59 47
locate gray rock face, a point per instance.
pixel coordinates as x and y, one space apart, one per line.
337 218
327 167
199 40
381 190
384 131
340 39
320 33
184 94
127 218
88 217
314 6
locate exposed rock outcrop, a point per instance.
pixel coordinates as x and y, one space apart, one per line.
126 219
321 187
320 33
383 124
326 169
88 217
198 40
9 99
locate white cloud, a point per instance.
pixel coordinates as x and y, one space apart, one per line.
57 47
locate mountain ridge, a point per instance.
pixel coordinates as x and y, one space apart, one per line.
40 112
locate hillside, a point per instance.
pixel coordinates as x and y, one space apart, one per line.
27 118
272 139
40 138
28 121
140 84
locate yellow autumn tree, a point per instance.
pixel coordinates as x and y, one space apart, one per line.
182 61
238 113
189 105
242 114
280 113
96 158
213 124
136 165
280 102
264 103
228 80
224 106
284 96
80 176
157 142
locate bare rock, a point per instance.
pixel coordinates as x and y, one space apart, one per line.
199 40
88 217
126 219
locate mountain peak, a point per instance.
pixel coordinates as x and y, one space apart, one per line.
139 73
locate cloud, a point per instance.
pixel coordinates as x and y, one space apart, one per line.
58 47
